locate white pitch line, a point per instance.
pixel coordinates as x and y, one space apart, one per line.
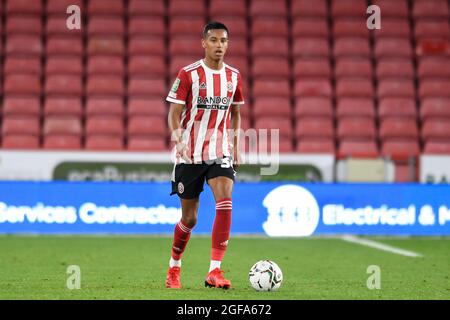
380 246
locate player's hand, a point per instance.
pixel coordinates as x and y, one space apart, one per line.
237 160
183 152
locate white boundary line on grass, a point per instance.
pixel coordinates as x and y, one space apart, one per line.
380 246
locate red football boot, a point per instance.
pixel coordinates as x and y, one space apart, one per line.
215 279
173 278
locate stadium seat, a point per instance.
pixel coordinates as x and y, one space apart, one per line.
57 26
437 147
20 142
21 106
22 84
146 8
392 47
404 172
436 129
227 8
23 25
397 107
355 107
392 9
358 149
277 27
273 88
19 124
109 25
104 125
65 65
105 65
63 85
313 106
351 47
267 8
62 142
395 88
395 68
30 45
146 26
68 46
432 29
348 8
138 86
307 27
144 143
185 45
146 106
105 106
430 9
400 149
434 67
186 26
393 28
112 45
350 28
147 126
62 125
350 67
313 87
58 7
313 145
104 143
179 62
186 8
66 106
146 45
152 66
105 85
434 88
26 65
398 127
272 107
270 46
435 108
356 128
239 63
23 7
105 7
314 127
319 67
310 48
283 124
270 68
303 8
354 87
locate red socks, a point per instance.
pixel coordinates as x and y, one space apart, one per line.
221 229
180 240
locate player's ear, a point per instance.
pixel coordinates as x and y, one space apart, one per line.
203 43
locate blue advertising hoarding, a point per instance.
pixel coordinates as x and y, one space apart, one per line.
270 208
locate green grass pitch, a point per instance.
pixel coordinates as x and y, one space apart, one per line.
35 267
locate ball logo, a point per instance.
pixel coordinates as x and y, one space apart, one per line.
180 188
292 211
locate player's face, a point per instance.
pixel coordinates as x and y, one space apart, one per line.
216 44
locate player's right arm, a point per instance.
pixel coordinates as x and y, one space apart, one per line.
174 122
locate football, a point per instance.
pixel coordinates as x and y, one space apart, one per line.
265 275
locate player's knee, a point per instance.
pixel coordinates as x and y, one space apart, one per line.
189 221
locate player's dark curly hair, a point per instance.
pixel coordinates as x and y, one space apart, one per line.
214 25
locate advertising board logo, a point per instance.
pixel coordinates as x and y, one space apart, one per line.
292 211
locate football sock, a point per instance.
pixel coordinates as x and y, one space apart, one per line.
214 264
180 239
221 229
174 263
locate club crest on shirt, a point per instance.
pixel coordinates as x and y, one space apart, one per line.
230 86
202 86
175 85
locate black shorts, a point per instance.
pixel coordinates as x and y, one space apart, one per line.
188 179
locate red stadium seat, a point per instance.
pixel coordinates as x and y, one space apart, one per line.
354 87
144 143
105 106
314 127
355 107
23 7
351 47
437 147
393 28
400 149
393 47
147 125
24 45
395 88
57 26
435 108
270 46
300 8
270 68
145 45
267 8
146 87
21 106
189 8
270 27
105 45
394 9
395 68
67 106
356 128
186 45
348 8
66 65
147 106
60 45
313 87
313 145
104 125
146 8
436 129
350 67
186 26
62 142
24 25
358 149
239 63
62 125
105 7
283 124
312 68
27 65
434 67
313 106
432 29
225 8
21 125
397 107
430 9
178 62
58 7
104 143
146 26
105 85
152 66
394 128
310 48
20 141
105 65
350 28
434 88
63 85
99 25
307 27
23 84
274 88
272 107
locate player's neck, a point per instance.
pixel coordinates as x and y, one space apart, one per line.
213 64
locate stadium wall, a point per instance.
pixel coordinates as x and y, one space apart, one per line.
264 208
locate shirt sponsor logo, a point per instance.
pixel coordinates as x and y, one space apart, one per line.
214 103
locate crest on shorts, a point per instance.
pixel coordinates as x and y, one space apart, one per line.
180 187
230 86
175 85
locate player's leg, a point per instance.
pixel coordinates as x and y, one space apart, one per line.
221 183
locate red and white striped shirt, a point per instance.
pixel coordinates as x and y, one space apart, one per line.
207 95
